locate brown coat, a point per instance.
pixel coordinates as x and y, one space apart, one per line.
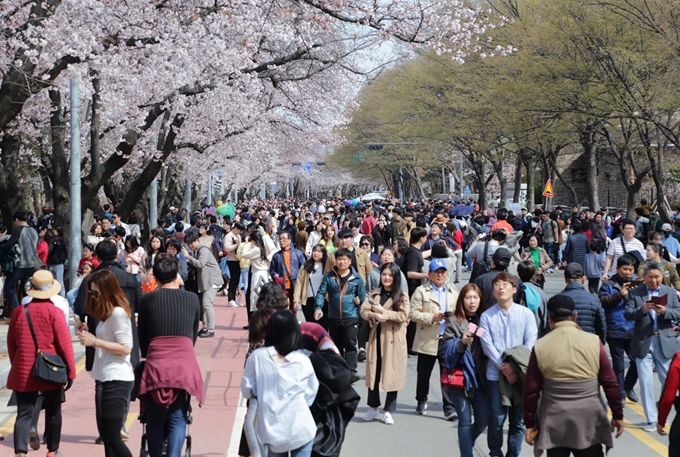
393 344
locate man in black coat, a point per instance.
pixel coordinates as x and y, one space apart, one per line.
590 314
107 252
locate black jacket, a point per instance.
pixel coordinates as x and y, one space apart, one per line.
133 292
335 402
590 312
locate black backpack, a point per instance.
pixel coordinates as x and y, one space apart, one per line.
481 265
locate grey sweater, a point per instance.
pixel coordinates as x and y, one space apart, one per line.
27 239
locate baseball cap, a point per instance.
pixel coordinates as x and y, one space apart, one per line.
666 228
502 255
573 270
437 264
561 305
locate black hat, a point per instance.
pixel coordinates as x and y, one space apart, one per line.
345 233
561 306
502 255
573 270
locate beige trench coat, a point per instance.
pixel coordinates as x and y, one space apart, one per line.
424 306
393 345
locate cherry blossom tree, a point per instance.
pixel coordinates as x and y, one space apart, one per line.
199 82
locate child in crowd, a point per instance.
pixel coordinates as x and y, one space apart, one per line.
594 268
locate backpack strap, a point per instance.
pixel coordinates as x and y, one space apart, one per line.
486 250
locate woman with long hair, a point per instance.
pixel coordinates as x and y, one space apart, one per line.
469 307
308 282
330 239
260 258
133 255
112 370
156 246
281 367
386 311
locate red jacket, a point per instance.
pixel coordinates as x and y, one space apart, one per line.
53 337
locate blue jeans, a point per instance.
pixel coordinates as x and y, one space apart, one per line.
496 421
58 273
467 432
549 247
18 276
71 296
155 416
303 451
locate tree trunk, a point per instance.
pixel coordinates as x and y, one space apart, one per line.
59 172
518 179
531 195
587 140
9 184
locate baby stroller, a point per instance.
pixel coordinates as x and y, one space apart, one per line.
144 450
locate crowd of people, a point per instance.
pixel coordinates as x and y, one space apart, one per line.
377 282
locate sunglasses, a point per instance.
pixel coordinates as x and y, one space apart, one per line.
365 244
93 293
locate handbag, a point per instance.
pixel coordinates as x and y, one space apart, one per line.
453 378
47 367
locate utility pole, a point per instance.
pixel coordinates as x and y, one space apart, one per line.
153 204
74 179
210 189
187 199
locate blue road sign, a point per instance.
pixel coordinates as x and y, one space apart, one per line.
467 190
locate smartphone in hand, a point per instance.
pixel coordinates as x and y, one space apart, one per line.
476 331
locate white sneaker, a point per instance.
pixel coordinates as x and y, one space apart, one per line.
233 304
370 414
387 419
650 427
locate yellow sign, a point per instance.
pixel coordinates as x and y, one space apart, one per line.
548 192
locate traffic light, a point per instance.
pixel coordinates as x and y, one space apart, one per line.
375 146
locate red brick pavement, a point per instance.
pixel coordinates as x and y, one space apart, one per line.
221 360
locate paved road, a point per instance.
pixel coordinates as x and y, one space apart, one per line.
217 426
413 435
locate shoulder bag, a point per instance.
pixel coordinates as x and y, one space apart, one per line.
47 367
453 378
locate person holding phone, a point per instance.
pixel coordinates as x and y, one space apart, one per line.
653 306
613 294
113 344
463 327
386 311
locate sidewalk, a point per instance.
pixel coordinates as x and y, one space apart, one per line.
221 360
